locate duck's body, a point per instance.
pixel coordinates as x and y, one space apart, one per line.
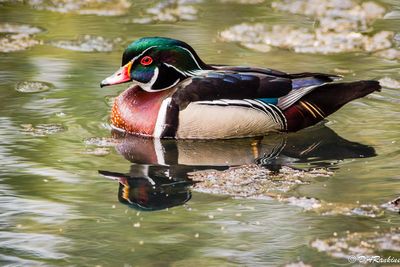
176 95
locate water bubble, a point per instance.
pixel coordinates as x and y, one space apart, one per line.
168 11
389 83
297 264
87 43
390 54
60 114
338 28
253 181
17 37
392 15
101 141
33 86
19 28
366 244
396 39
42 129
343 71
98 151
92 7
264 48
243 2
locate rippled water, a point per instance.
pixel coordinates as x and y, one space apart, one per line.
72 193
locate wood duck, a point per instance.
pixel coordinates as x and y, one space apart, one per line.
176 95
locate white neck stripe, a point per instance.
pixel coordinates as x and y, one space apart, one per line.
141 54
191 56
175 68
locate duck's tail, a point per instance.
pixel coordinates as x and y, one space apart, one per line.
325 100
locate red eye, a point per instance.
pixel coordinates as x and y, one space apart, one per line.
146 60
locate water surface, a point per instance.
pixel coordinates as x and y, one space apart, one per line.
57 209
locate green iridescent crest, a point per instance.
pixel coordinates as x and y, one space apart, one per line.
164 50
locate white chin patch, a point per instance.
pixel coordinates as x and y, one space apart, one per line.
148 86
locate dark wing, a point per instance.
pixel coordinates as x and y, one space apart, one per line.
230 85
240 83
244 69
303 75
244 83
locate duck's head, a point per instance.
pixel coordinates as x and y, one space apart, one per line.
156 63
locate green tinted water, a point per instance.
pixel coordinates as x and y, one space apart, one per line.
56 210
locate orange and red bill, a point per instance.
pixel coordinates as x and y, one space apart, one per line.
122 75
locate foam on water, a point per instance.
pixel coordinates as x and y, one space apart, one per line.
33 86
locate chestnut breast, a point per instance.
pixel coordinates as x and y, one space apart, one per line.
136 110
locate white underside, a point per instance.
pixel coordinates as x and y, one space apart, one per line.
199 121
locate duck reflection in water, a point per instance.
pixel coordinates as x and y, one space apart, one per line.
158 177
150 188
